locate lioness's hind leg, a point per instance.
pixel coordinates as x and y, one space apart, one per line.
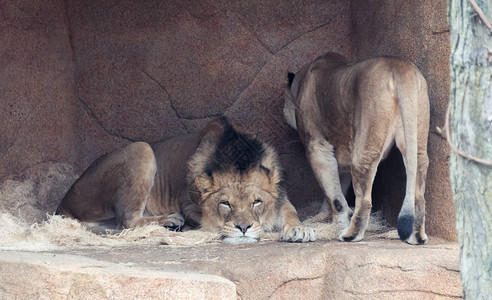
418 235
369 146
363 173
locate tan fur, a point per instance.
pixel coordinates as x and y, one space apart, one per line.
168 184
348 117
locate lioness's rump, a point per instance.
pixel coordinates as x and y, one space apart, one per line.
348 116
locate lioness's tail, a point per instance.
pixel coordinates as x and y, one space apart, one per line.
408 84
289 107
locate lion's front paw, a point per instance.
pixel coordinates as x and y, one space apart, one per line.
298 234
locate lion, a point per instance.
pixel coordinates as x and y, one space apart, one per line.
348 117
222 179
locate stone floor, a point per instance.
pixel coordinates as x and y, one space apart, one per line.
374 269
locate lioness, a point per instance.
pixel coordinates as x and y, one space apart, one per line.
348 116
223 179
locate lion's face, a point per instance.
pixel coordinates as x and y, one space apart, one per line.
240 206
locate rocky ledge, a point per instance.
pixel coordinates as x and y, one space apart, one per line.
374 269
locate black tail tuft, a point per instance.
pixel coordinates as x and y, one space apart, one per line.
405 226
291 78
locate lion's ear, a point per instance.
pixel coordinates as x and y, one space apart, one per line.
267 172
270 166
271 174
204 183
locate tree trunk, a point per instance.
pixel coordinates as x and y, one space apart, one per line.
471 127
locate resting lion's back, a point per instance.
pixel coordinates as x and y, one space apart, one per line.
92 193
172 156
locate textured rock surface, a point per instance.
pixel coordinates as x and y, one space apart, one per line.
80 78
61 276
377 269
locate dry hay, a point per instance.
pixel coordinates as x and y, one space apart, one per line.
376 229
59 233
36 191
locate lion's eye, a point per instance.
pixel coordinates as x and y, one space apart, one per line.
257 202
225 203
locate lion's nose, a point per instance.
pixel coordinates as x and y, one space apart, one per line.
243 227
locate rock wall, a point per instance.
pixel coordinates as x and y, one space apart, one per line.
80 78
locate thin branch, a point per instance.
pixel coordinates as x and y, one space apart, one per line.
455 149
481 14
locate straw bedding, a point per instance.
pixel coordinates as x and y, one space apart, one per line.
59 233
